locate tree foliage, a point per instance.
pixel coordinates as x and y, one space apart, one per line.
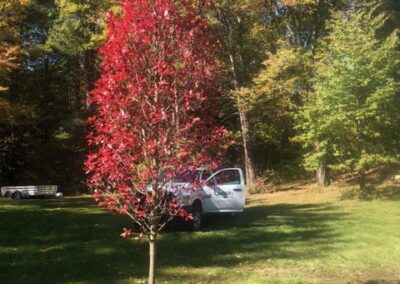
280 76
270 62
11 12
155 106
242 33
351 121
58 66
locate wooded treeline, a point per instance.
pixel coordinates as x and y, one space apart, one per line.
309 85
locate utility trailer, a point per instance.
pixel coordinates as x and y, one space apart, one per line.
19 192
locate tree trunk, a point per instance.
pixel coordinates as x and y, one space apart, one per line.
249 167
361 181
152 258
244 127
323 176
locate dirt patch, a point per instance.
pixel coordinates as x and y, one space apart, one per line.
304 192
380 182
312 276
375 276
370 276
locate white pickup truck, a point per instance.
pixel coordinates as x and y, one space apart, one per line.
19 192
221 192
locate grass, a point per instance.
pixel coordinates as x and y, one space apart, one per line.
306 236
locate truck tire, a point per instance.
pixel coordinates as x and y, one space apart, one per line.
197 213
17 195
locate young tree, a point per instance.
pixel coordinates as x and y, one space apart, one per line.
155 106
352 120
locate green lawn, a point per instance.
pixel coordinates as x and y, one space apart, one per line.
295 237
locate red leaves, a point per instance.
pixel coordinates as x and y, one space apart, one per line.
149 23
109 202
124 209
160 65
196 119
189 125
185 215
150 198
141 214
126 233
157 117
155 107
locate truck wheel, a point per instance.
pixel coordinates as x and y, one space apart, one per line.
197 217
17 195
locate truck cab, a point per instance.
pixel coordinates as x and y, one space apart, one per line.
219 192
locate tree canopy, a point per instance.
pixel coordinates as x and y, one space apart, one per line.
280 61
351 121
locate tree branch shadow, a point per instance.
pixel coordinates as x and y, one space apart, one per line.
69 241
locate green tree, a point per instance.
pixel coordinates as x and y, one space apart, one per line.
278 90
78 31
352 119
273 93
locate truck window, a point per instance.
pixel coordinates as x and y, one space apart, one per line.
205 175
227 177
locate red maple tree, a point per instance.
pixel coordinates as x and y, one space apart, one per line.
155 109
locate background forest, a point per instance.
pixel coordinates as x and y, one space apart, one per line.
310 86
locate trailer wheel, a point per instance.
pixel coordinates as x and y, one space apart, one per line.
17 195
197 213
7 195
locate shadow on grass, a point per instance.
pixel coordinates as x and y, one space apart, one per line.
58 241
260 233
71 240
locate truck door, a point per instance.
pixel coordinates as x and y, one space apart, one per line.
225 191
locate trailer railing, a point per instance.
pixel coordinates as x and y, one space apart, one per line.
28 191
